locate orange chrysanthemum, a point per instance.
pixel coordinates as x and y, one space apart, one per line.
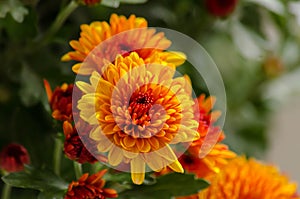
244 179
206 127
216 155
210 165
137 111
60 101
90 187
135 37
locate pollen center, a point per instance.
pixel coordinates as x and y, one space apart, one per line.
139 105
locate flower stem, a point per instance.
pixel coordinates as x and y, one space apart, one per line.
95 167
77 169
6 191
60 19
57 156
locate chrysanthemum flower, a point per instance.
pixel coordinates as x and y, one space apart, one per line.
13 157
244 179
91 187
60 101
221 8
206 155
135 36
209 133
138 110
208 166
217 155
73 146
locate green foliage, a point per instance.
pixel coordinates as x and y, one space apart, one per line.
50 185
167 186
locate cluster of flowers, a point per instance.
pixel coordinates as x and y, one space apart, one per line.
135 135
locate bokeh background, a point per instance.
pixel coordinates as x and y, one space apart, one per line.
256 48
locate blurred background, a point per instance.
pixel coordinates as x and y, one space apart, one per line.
255 44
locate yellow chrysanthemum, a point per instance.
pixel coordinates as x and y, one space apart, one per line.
120 36
249 179
138 111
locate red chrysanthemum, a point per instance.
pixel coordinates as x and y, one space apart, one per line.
13 157
91 2
60 101
90 187
73 146
221 8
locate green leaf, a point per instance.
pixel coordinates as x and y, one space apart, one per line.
22 32
52 194
275 6
32 89
44 180
15 8
167 186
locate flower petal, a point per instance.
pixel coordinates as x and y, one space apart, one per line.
137 170
115 156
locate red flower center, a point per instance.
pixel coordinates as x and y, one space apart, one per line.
139 106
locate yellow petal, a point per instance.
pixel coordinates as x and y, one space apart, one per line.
130 155
167 153
75 67
176 166
154 161
115 156
137 170
96 134
104 145
66 57
85 87
175 57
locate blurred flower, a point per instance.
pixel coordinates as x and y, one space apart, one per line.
137 123
221 8
90 187
60 101
13 157
273 66
140 39
73 146
244 179
90 2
